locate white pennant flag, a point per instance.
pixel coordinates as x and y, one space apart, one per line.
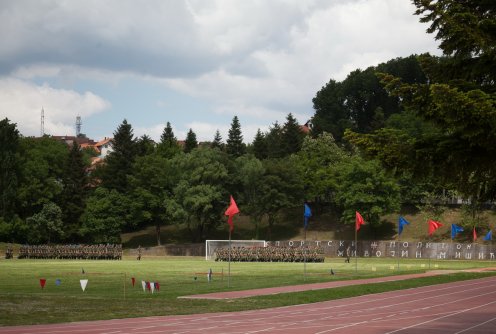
83 282
152 286
143 283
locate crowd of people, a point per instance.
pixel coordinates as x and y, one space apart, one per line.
270 254
77 252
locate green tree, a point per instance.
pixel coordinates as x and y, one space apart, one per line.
119 162
259 146
364 186
199 195
168 146
42 170
144 146
217 143
250 173
107 213
152 182
46 225
190 143
275 147
292 136
235 146
9 168
73 197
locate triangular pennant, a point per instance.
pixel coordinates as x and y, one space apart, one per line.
57 282
133 281
83 282
143 284
148 286
152 286
42 282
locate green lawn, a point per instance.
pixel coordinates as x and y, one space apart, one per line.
110 294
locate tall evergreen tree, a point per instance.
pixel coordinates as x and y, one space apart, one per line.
259 146
217 143
235 146
273 138
9 172
292 136
168 146
73 196
119 162
190 143
145 146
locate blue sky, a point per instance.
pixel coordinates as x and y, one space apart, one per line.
193 63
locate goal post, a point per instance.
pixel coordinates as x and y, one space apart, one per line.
212 245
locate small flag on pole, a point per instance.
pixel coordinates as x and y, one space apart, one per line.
133 281
42 282
143 284
83 282
433 225
152 286
489 236
157 286
474 234
455 229
57 282
401 223
307 214
230 212
358 221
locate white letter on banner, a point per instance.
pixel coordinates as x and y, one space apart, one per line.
469 246
302 243
277 243
458 255
291 243
419 245
492 255
482 256
392 253
340 253
442 255
329 243
458 246
405 244
428 245
341 243
366 254
318 243
392 244
418 255
378 253
353 253
468 256
404 253
443 245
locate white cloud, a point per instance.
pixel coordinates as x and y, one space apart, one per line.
22 102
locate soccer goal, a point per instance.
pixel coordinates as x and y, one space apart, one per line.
212 245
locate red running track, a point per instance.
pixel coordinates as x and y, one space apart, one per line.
461 307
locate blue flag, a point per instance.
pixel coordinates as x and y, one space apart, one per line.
307 214
402 222
489 236
455 229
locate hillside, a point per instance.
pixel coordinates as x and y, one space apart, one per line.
323 227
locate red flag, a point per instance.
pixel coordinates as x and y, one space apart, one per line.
157 286
474 234
133 280
42 282
433 225
359 220
231 211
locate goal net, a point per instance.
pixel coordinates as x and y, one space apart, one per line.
212 245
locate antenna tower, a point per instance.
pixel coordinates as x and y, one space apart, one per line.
42 130
78 125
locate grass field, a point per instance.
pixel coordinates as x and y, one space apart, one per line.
110 294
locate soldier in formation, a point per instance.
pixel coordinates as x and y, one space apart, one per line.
76 252
270 254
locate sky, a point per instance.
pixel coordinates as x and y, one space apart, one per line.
193 63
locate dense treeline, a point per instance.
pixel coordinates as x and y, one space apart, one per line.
405 131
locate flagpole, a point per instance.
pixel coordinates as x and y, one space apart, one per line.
229 263
398 246
356 253
305 256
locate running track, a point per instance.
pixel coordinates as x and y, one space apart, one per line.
461 307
